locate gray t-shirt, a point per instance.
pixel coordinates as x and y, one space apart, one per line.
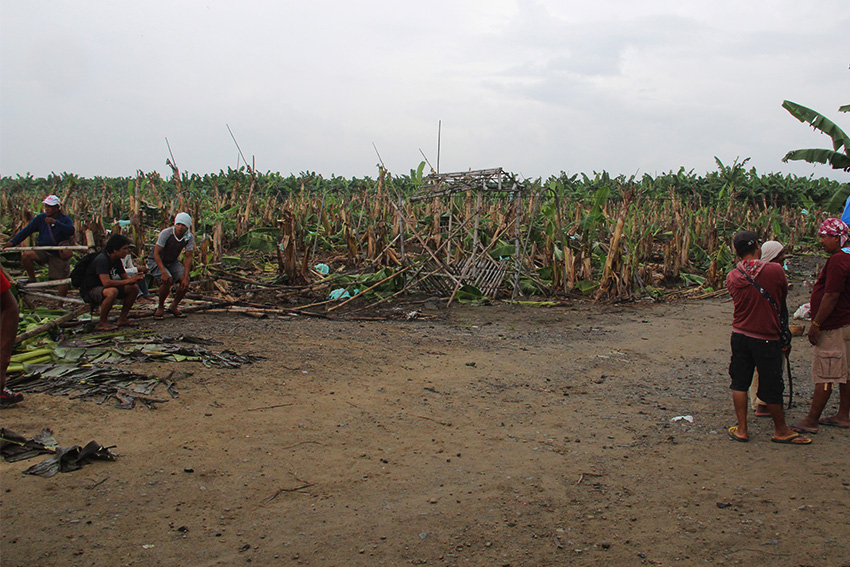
171 247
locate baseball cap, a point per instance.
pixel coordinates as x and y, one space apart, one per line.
745 241
51 200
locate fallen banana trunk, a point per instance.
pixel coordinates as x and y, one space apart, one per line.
30 354
50 324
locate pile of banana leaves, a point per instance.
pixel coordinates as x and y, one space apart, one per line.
95 382
87 367
127 346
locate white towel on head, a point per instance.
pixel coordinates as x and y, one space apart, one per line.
770 250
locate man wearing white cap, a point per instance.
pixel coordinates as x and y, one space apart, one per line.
164 263
54 228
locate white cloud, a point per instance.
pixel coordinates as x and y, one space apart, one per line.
533 86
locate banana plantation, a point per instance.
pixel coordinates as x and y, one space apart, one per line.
463 235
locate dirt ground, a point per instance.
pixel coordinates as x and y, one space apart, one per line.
495 435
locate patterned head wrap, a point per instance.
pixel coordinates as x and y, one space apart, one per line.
834 227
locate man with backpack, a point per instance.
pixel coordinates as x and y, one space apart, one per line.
106 281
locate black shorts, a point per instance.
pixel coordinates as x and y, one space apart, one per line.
749 354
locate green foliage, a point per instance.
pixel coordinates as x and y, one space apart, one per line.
587 287
469 292
837 158
261 239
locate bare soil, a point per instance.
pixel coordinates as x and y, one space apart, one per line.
489 435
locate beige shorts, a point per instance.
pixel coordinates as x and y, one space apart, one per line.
57 268
830 357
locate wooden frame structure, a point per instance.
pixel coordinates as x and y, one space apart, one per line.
452 262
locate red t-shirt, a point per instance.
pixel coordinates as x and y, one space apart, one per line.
754 315
5 284
833 278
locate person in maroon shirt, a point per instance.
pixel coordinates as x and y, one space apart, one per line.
755 338
829 332
8 330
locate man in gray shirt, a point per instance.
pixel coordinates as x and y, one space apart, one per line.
165 265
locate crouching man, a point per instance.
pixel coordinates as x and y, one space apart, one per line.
164 264
107 281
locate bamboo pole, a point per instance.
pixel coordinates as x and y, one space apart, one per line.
22 248
49 283
51 296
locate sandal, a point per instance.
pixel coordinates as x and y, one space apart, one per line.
795 439
178 314
158 315
733 433
830 422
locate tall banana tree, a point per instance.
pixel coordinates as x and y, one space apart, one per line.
839 156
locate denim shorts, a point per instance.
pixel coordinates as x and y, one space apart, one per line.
175 268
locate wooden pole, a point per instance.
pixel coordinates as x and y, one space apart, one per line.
22 248
50 296
50 283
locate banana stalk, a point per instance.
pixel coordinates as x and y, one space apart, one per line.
30 354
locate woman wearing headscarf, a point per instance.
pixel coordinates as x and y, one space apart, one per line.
829 332
771 251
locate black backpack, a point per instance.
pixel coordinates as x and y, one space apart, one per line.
78 274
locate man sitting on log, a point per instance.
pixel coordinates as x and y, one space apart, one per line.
106 281
54 228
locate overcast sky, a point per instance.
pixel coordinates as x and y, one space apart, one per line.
533 86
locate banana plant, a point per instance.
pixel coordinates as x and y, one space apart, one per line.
839 156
